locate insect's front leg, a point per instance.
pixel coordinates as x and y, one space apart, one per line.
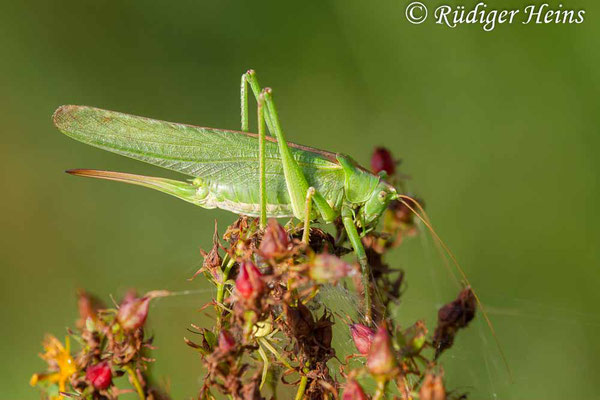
359 250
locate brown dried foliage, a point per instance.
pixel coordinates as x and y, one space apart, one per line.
267 307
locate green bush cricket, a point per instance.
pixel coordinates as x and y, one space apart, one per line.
289 177
224 164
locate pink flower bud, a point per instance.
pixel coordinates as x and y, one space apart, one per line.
362 336
275 241
327 268
353 391
381 360
382 160
249 283
226 341
99 375
134 311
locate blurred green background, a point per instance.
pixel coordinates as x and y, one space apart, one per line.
499 130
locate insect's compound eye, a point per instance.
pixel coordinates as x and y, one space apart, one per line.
381 196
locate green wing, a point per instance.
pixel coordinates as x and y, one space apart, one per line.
226 161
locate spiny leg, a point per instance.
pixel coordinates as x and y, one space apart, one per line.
244 103
261 162
261 142
359 250
307 211
250 78
296 182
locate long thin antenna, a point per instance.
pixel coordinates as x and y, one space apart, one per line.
427 223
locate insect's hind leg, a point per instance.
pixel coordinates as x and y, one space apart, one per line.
296 182
249 78
261 142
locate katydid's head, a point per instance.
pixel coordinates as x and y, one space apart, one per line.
378 201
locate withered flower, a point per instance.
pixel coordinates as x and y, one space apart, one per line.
226 341
299 320
327 268
100 375
432 387
323 332
207 343
88 306
452 317
381 360
212 260
399 220
249 283
362 336
275 242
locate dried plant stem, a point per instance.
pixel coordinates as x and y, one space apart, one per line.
135 381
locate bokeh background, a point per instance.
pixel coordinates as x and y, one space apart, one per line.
499 131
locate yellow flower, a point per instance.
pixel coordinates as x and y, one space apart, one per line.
61 364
